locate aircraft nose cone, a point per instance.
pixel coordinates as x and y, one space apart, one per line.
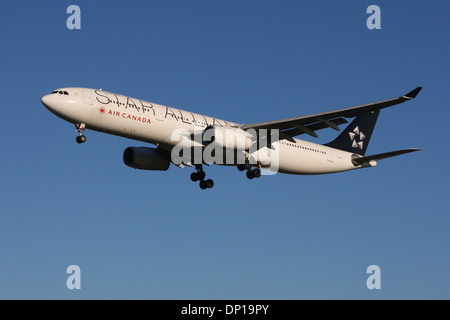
49 102
46 100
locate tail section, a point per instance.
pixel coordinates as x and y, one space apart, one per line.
355 138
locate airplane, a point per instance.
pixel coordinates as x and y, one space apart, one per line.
177 135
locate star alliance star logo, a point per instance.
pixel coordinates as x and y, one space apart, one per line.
357 135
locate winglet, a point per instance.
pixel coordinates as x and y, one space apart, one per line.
413 94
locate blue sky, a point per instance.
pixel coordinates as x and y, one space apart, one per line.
156 235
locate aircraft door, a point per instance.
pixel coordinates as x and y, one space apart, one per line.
87 96
329 155
160 113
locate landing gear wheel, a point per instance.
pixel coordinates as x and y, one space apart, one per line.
80 129
194 176
250 174
201 175
203 185
209 183
241 167
81 139
257 172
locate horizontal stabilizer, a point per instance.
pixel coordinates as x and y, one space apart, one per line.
361 160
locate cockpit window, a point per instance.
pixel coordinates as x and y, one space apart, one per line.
61 92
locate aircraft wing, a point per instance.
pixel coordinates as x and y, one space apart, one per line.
309 124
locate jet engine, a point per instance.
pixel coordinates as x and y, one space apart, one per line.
145 158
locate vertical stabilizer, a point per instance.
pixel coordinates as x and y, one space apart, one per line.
355 138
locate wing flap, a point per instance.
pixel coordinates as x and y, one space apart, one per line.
315 126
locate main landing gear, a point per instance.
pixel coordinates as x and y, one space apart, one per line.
80 129
251 173
200 176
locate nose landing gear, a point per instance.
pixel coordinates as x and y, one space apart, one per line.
80 129
200 176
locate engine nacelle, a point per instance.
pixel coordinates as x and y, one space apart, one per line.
227 137
145 158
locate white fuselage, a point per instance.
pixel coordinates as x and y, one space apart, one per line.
153 123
